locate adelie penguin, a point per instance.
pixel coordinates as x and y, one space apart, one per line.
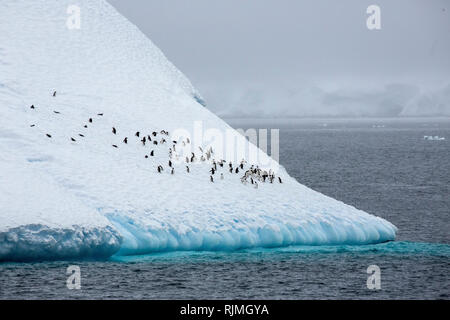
137 134
32 125
85 125
81 135
73 140
57 112
170 163
125 140
54 93
114 130
279 180
48 135
187 169
172 171
100 114
146 157
152 153
154 133
115 146
143 141
211 178
160 168
90 120
32 106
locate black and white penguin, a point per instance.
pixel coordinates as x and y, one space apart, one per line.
125 140
137 134
211 178
279 180
85 126
172 171
90 120
146 156
115 146
73 139
152 153
54 93
170 163
187 169
160 168
81 135
237 170
32 125
48 135
143 141
154 133
155 142
32 106
100 114
212 171
187 159
57 112
114 130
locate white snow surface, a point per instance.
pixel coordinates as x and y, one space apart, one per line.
61 199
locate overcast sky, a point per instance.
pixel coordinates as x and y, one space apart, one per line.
267 49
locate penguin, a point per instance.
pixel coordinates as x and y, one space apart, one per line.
172 171
85 126
192 157
279 180
170 163
81 135
114 130
115 146
48 135
143 141
73 139
221 176
149 138
137 134
90 120
241 165
211 178
57 112
212 171
187 159
187 169
146 156
100 114
231 170
155 142
174 142
125 140
54 93
152 153
32 106
163 141
32 125
251 180
154 133
237 170
160 168
187 140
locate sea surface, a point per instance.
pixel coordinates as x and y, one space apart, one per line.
382 166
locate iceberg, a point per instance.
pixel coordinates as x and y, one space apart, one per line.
70 188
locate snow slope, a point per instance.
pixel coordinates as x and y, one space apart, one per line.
85 198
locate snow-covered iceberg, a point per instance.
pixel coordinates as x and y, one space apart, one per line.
66 192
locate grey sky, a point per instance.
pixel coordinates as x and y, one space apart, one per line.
231 49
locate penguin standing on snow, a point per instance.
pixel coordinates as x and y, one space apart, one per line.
72 139
114 130
125 140
90 120
187 169
172 171
211 178
54 93
170 163
48 135
137 134
279 180
32 106
143 141
160 168
152 153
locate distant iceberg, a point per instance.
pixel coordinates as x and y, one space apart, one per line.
73 187
434 138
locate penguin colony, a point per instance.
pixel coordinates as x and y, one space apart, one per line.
251 174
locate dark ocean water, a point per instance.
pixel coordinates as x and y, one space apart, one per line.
382 166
